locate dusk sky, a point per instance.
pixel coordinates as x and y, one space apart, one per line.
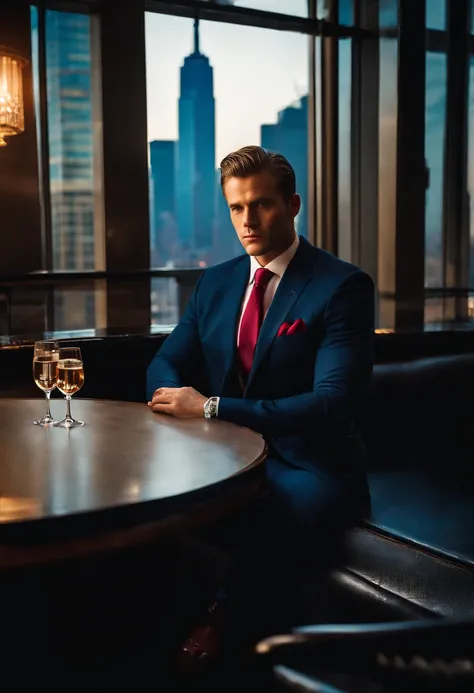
250 90
257 72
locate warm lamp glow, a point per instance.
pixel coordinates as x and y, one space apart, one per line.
12 111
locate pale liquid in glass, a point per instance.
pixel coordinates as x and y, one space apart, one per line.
70 376
45 371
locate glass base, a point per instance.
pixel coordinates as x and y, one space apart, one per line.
69 422
45 421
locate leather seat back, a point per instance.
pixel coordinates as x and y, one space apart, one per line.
423 406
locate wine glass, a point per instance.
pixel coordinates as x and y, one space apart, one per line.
70 380
45 374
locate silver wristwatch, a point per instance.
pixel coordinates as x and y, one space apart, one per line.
210 407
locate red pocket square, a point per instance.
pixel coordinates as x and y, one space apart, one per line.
283 329
297 326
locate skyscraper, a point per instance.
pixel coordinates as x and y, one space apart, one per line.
77 224
226 242
70 125
163 237
289 136
195 172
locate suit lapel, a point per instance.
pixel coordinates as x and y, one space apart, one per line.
292 284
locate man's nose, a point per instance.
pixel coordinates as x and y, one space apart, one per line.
249 218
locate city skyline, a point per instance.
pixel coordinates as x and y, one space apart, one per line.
191 224
251 97
256 91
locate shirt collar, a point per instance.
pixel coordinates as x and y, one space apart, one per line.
279 264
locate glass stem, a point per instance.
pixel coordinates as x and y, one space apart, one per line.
48 410
68 407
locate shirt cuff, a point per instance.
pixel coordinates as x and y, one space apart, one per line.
217 406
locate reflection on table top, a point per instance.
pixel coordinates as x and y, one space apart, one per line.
124 456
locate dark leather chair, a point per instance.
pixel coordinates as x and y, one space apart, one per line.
414 557
404 657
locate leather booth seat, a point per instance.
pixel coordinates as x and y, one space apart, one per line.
414 557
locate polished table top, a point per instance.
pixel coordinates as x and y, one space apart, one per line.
124 458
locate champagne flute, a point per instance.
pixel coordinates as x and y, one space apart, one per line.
70 380
45 374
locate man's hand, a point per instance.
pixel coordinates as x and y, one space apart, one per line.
182 402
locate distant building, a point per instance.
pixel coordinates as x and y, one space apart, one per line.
163 232
226 242
195 165
70 129
289 136
76 198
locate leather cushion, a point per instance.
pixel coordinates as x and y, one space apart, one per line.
411 572
419 406
419 431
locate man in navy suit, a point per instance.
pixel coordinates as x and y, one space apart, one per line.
285 337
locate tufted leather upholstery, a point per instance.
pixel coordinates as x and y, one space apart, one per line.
415 556
381 658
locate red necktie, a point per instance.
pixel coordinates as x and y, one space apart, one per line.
252 319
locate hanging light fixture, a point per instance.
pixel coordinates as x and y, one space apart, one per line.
12 109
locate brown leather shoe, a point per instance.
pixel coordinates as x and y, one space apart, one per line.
202 646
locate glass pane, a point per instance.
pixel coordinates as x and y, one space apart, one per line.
202 104
436 14
388 13
435 122
297 8
74 126
345 63
164 301
387 202
78 306
470 178
346 12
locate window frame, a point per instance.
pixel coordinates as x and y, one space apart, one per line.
323 165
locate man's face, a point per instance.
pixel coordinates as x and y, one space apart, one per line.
263 220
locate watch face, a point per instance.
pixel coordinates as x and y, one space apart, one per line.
210 408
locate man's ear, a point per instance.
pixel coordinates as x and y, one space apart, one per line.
295 204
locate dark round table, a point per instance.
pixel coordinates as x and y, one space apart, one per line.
127 477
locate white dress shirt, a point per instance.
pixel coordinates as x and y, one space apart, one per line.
278 267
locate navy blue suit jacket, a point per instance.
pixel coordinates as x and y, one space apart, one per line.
305 390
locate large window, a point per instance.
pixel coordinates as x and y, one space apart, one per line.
72 160
215 86
209 92
344 147
387 178
73 127
470 172
435 126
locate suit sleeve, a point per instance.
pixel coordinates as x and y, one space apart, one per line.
342 372
180 357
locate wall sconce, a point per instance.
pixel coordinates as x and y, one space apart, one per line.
12 109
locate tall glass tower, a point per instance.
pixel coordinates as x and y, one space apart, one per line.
75 172
195 172
70 125
162 163
289 136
